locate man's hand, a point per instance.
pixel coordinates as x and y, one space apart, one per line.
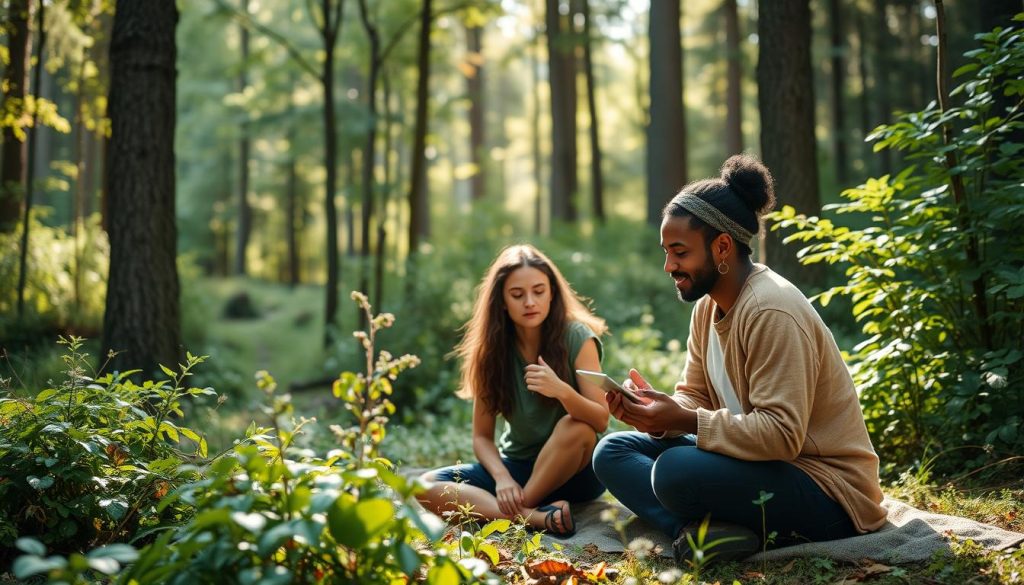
657 414
509 495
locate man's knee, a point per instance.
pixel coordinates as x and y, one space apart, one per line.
608 449
677 476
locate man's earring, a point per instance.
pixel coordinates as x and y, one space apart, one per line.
723 268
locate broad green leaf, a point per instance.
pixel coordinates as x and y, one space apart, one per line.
500 525
443 574
31 546
492 553
40 483
353 523
28 565
408 559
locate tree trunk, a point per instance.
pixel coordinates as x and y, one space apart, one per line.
14 151
477 123
33 151
369 154
142 320
419 208
786 102
838 45
866 91
596 177
538 155
291 200
244 227
329 33
562 81
883 64
666 128
382 215
734 85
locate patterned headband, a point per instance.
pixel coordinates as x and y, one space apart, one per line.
714 217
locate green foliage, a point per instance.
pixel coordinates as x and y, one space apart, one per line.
270 512
936 278
66 280
86 463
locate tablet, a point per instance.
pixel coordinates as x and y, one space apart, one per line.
607 384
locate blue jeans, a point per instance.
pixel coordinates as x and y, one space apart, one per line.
581 487
684 484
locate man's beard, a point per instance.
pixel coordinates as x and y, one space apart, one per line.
701 282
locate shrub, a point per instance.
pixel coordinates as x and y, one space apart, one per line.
268 512
937 278
86 463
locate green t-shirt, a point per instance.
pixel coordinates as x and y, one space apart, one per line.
533 417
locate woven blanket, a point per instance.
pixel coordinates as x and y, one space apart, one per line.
909 535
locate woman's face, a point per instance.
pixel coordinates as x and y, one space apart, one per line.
527 296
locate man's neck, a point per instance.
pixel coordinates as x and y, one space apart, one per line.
729 286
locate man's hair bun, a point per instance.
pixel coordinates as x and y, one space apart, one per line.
750 180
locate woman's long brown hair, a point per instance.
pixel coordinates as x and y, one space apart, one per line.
490 336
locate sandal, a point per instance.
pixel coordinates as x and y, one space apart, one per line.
565 519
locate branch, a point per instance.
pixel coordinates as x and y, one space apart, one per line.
248 22
405 26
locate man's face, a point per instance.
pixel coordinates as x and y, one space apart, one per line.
687 259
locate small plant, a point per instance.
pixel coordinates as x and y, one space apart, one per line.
85 464
700 548
766 537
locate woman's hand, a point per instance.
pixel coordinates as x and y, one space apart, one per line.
509 495
540 378
657 413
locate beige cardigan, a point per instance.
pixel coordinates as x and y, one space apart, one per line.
798 398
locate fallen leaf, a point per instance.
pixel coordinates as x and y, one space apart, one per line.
875 569
788 567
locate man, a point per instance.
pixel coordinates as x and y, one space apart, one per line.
766 403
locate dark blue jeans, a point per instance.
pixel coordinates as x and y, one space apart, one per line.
581 487
683 484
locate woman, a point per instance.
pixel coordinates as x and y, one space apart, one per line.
527 335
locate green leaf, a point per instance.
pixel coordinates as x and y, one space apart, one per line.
31 546
432 526
492 553
105 566
114 507
122 553
40 483
466 543
251 522
170 430
189 434
443 574
28 565
353 523
166 370
45 394
500 525
408 559
272 539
